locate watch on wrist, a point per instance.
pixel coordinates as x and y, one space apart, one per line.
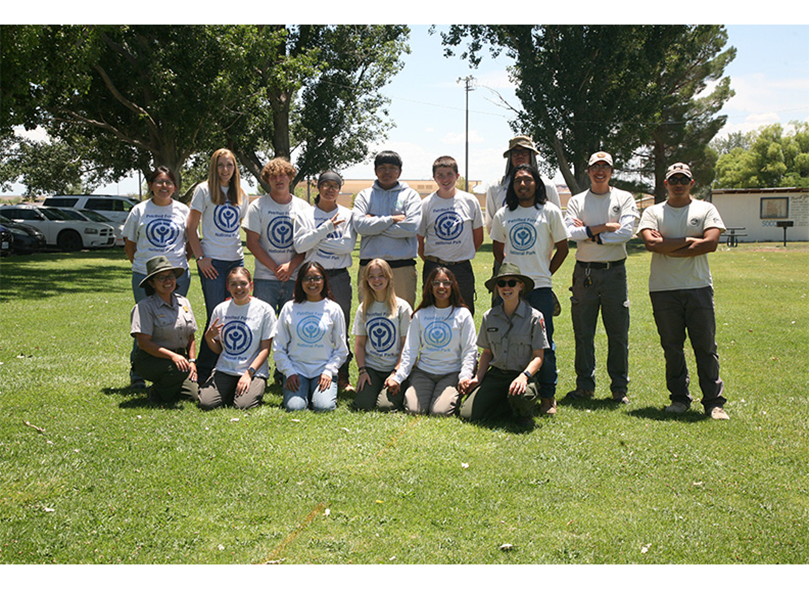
528 374
251 371
200 258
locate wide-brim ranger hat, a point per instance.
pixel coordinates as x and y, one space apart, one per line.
679 168
509 270
157 265
520 141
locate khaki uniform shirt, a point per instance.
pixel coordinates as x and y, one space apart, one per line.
513 341
171 326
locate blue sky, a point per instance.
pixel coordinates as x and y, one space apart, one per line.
770 76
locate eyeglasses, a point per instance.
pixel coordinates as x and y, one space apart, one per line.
444 283
601 167
330 186
674 180
312 279
166 278
163 183
512 283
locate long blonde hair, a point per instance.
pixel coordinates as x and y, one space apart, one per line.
367 293
235 192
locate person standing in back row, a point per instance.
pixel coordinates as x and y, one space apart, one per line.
451 229
680 233
387 216
601 220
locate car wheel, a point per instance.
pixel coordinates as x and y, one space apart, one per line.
69 241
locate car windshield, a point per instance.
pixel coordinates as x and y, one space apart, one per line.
56 214
93 216
75 215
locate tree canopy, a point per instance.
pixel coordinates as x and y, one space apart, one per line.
143 96
766 158
623 89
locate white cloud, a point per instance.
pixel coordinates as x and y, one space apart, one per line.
454 138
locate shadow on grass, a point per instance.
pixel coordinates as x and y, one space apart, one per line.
659 414
606 404
56 274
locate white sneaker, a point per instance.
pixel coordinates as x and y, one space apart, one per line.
677 408
719 413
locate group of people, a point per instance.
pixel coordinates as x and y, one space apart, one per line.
297 305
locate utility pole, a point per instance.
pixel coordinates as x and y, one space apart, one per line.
468 88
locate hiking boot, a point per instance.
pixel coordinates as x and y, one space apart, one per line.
547 406
718 413
620 398
678 408
579 395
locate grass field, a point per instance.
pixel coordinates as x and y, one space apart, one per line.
91 473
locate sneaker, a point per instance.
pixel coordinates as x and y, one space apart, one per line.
579 395
620 398
547 406
719 413
677 408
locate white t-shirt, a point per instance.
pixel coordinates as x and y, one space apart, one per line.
316 235
384 333
674 273
615 206
529 235
244 327
447 224
496 199
157 231
274 224
310 339
440 341
221 224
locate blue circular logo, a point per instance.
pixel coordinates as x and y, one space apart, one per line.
382 333
162 232
448 225
523 236
310 331
279 233
226 218
438 334
236 338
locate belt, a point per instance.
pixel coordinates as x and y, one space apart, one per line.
391 263
435 260
601 265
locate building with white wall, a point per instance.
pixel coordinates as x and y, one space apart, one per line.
759 210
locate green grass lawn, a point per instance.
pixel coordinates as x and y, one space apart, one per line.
112 479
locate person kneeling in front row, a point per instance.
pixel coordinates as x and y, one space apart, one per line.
513 339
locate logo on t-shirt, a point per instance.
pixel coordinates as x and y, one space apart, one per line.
382 333
162 232
616 209
523 236
693 222
310 330
279 233
438 334
448 225
226 218
236 338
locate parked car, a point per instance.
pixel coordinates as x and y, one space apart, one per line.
89 215
27 239
115 208
6 241
59 229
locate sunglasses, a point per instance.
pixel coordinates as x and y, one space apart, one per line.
674 180
512 283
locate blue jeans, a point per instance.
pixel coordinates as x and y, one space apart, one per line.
183 284
214 291
309 392
541 299
274 292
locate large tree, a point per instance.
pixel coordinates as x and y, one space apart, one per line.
586 88
774 159
152 95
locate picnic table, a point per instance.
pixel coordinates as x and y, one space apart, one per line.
733 234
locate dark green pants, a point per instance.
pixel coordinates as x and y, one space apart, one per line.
491 399
374 395
168 383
